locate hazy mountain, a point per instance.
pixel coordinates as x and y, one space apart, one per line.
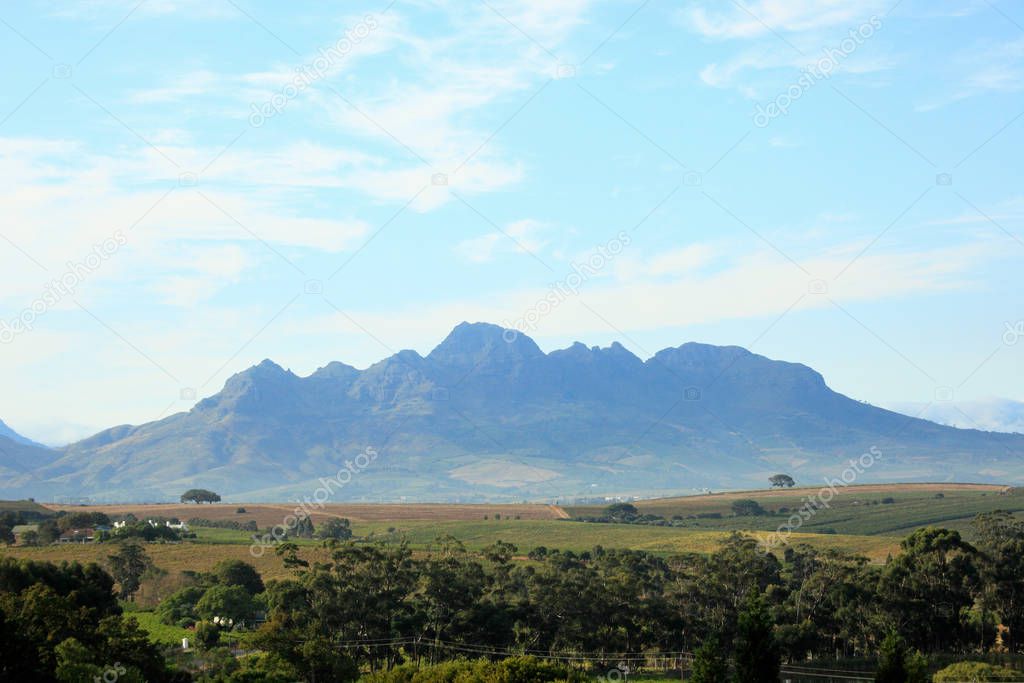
990 414
485 416
7 432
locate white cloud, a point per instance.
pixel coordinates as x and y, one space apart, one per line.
985 68
755 284
519 236
757 19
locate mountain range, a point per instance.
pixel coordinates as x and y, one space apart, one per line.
487 415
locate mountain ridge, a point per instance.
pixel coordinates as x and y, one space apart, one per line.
487 415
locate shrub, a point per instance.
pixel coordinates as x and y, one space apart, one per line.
512 670
207 634
747 508
976 671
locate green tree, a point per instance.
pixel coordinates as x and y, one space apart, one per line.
199 496
127 568
746 507
335 528
709 665
239 573
782 481
226 602
758 658
897 664
1001 542
926 590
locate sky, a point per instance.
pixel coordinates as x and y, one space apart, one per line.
191 186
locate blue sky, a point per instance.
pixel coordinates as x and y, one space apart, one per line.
833 183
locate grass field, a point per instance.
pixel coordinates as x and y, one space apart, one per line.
267 515
854 510
856 522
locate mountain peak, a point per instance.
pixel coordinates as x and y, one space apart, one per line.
472 343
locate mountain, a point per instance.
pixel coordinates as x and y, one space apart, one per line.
8 433
487 415
990 414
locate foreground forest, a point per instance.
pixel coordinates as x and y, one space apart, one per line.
374 607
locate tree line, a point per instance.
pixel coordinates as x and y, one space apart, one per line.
377 606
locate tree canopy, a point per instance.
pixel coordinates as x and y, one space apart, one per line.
199 496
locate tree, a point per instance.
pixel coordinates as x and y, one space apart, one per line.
709 665
758 658
782 481
1001 542
746 507
30 538
927 590
6 535
335 528
199 496
621 512
127 568
897 664
226 602
238 573
207 634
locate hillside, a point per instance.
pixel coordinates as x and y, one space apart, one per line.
485 417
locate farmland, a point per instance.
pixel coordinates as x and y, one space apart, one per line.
857 521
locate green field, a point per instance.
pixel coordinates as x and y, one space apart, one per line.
854 510
856 522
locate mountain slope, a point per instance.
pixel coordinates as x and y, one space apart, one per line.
487 415
9 433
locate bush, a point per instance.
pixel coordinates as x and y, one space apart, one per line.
747 508
976 671
207 634
512 670
335 528
180 608
888 501
231 602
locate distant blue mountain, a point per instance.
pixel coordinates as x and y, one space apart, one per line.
9 433
487 415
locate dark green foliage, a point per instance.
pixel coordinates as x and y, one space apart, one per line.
81 520
180 608
127 568
782 481
146 532
251 525
757 653
226 602
512 670
63 623
927 588
199 496
747 508
207 634
238 573
709 665
897 664
335 528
